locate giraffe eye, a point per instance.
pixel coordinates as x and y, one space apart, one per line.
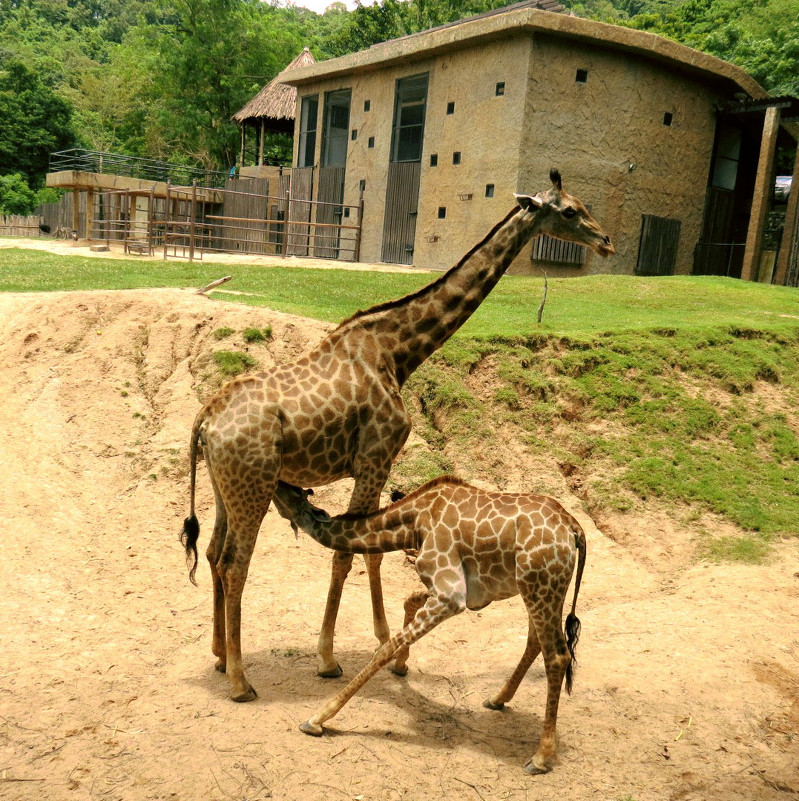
568 213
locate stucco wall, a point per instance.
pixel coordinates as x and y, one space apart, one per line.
484 129
609 141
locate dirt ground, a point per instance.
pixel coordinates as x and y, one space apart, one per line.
688 677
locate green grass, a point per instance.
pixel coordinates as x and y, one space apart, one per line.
575 307
679 389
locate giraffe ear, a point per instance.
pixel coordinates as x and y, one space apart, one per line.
320 515
529 202
554 176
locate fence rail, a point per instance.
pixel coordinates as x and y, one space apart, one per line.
133 167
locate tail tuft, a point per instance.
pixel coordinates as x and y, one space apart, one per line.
189 537
572 637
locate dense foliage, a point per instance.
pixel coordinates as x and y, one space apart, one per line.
161 78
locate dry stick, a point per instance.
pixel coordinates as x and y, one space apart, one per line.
218 282
543 299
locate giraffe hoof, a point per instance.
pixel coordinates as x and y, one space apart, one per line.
221 666
398 670
330 673
535 770
489 704
314 729
247 695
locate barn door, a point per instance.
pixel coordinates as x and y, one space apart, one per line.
399 225
329 211
404 172
657 252
298 232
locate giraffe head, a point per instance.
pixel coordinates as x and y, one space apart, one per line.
563 216
292 503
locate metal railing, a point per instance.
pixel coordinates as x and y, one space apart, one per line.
134 167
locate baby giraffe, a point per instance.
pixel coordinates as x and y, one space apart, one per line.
474 547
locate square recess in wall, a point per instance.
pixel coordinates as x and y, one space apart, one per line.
456 157
367 104
668 119
434 159
489 190
442 212
450 107
581 76
500 89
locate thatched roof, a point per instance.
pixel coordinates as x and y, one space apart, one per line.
276 101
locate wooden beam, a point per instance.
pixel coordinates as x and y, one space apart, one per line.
790 234
761 198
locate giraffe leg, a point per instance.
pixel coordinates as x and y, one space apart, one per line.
435 611
213 553
329 668
531 651
379 622
556 660
232 567
365 498
413 604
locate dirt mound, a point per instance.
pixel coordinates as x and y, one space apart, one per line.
686 687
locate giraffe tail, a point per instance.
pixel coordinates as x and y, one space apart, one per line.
191 526
572 621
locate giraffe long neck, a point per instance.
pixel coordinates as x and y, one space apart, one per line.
413 327
388 530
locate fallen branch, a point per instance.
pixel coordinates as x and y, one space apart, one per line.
213 284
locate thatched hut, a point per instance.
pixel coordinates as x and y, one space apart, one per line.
272 109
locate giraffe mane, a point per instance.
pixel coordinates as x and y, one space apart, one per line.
432 286
432 484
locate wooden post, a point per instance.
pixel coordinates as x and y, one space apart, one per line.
166 217
89 213
76 211
192 222
150 218
243 125
762 195
356 254
790 234
261 143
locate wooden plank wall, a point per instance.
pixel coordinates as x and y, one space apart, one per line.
657 252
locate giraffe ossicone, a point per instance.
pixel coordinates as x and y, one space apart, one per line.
337 412
474 547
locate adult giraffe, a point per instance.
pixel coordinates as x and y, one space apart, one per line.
337 412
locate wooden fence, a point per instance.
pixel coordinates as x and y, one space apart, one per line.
20 225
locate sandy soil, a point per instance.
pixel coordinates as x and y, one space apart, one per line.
687 686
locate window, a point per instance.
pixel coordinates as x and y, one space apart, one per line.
489 190
371 141
434 159
442 212
582 76
309 111
337 124
728 153
409 115
354 134
367 104
450 108
668 119
456 157
500 89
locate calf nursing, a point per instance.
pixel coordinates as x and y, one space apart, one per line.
474 547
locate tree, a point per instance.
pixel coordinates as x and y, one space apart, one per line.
16 197
34 121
